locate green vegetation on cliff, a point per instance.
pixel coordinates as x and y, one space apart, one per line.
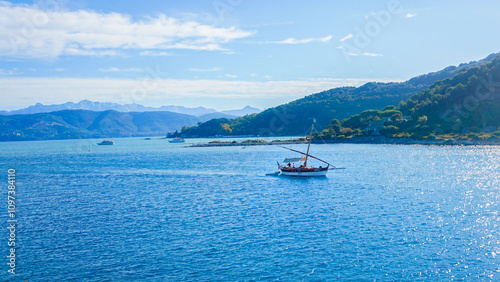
465 106
296 117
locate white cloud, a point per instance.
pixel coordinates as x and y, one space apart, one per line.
205 70
271 24
30 32
349 36
60 90
114 69
371 54
8 72
155 54
409 16
79 52
366 54
231 76
303 41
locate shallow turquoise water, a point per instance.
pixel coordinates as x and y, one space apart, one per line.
153 211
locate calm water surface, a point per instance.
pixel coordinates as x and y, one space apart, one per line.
153 211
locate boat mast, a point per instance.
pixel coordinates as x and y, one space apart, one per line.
309 145
311 156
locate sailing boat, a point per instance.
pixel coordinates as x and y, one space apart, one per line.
303 170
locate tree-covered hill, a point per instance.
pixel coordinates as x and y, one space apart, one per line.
467 103
465 106
296 117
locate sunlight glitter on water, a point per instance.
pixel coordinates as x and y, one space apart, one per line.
175 213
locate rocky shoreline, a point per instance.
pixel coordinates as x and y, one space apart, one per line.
363 140
408 141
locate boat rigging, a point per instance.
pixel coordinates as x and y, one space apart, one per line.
304 170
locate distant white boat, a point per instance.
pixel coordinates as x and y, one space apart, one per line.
107 142
177 140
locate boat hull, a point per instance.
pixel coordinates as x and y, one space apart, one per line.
315 172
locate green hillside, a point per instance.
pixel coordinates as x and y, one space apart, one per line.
296 117
468 103
466 106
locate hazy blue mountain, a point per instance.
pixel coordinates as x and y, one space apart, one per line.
215 115
243 112
75 124
105 106
85 123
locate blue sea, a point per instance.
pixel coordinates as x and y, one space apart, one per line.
148 210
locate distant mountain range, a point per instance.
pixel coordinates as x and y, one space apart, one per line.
105 106
88 119
77 124
425 99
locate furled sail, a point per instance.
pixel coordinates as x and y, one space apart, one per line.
294 160
304 154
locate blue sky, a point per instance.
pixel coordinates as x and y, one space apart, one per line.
227 54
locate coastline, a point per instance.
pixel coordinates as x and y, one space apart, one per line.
243 144
408 141
356 140
363 140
